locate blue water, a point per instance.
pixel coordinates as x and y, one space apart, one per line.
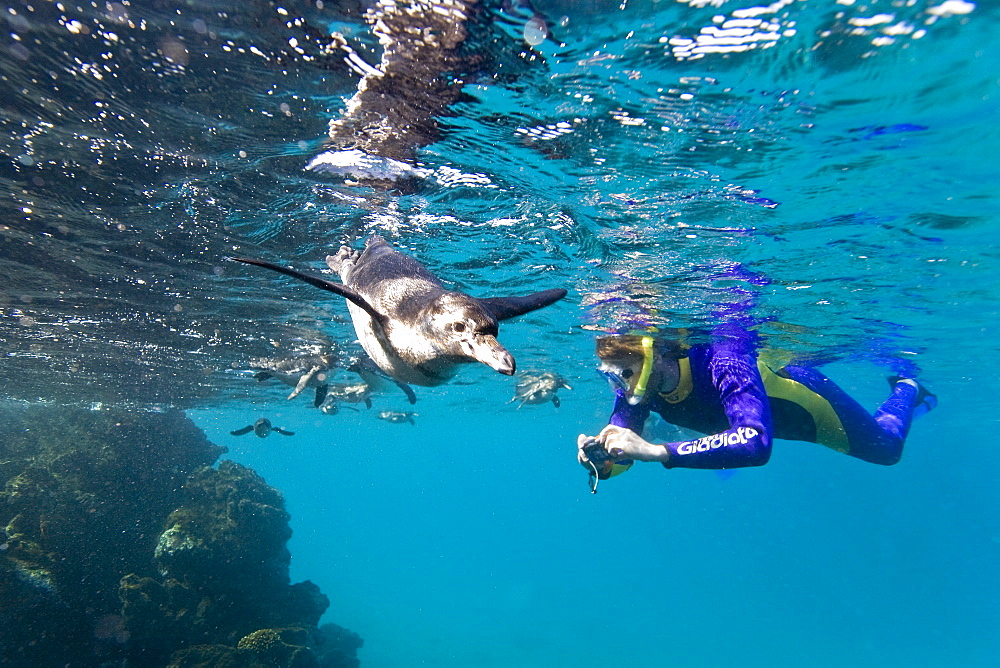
472 539
849 159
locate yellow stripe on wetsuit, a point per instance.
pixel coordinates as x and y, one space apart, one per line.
684 383
829 430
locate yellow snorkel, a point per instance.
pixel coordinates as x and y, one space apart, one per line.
647 368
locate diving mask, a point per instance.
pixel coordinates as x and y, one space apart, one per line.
623 377
618 378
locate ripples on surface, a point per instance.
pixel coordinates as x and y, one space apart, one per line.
635 156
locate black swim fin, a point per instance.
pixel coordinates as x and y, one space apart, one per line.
321 283
504 308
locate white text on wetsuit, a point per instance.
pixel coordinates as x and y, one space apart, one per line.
738 437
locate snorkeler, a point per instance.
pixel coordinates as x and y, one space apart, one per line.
724 390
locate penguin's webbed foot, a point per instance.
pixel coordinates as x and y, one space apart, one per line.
343 260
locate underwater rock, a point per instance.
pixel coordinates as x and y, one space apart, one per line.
337 646
82 503
121 544
216 656
328 647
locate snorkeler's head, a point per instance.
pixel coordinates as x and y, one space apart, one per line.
631 362
621 359
627 362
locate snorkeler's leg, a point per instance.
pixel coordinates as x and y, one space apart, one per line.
876 441
908 401
924 400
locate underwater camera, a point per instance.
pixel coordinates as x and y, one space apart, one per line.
598 458
595 452
603 465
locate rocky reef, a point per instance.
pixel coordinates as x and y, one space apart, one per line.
121 544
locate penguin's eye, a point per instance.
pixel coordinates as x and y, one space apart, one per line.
459 326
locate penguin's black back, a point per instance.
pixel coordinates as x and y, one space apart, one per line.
381 262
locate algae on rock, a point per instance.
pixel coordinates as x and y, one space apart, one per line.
121 543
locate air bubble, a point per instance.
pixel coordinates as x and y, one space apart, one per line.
535 31
19 51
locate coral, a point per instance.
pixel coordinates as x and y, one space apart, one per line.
121 544
280 647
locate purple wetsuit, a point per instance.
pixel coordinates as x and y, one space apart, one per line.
726 392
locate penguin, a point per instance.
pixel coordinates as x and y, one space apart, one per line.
372 377
298 371
262 428
397 417
412 327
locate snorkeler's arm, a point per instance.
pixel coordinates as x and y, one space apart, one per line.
747 442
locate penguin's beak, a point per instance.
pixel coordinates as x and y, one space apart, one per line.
486 349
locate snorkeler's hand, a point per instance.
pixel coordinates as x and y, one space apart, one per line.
584 444
621 443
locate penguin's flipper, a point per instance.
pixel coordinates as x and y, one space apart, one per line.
368 402
407 390
303 381
555 400
503 308
324 284
245 430
321 395
283 432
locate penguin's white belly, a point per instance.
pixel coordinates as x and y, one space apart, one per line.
384 354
